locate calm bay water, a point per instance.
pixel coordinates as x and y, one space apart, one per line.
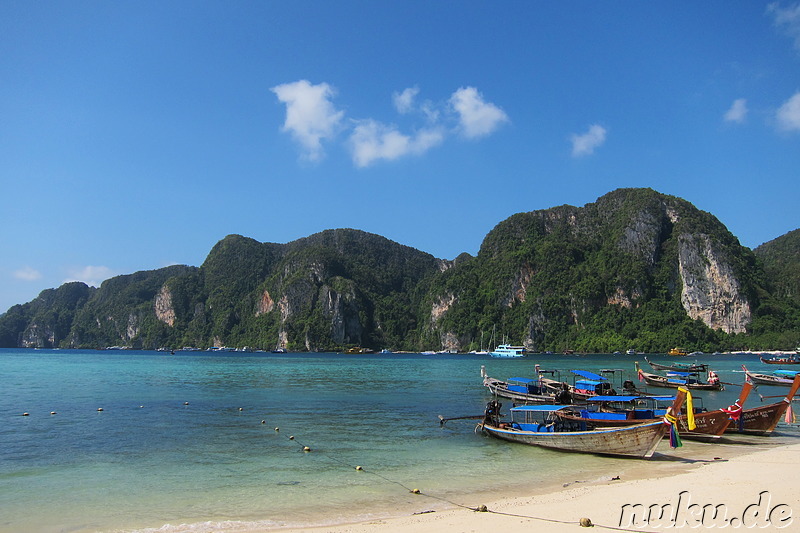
180 445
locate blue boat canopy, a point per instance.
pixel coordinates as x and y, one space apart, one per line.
681 374
588 375
538 408
621 398
790 373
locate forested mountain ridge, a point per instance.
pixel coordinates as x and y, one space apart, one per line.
781 260
635 269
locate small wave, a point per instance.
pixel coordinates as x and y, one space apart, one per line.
228 526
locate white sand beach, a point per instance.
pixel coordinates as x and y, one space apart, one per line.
733 486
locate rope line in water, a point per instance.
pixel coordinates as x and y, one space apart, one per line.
480 508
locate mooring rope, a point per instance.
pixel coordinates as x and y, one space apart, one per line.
480 508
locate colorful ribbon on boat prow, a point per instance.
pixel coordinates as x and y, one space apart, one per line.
734 411
689 409
674 437
672 420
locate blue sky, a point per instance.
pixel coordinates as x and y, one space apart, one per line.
135 135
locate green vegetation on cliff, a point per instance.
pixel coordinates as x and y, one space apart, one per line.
635 269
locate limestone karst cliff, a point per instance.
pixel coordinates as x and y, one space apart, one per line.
635 268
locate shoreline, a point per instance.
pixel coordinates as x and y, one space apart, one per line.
719 476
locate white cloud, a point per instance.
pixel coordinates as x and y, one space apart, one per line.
476 117
310 114
586 143
312 119
27 273
404 101
372 141
788 20
737 112
90 275
788 114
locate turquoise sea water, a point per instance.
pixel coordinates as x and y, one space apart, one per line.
180 445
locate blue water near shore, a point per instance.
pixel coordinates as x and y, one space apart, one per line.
180 445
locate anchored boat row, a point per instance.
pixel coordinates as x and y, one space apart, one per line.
590 416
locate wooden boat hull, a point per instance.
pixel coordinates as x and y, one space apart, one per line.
639 440
678 367
781 361
661 381
763 419
500 388
766 379
760 420
707 424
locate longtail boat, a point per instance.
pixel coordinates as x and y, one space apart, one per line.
674 380
763 419
536 425
548 390
526 390
790 359
779 377
679 367
620 411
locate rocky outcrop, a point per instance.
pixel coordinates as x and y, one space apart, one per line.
519 286
265 303
132 329
441 305
38 337
711 291
165 311
342 309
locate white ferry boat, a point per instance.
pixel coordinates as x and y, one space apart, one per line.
506 350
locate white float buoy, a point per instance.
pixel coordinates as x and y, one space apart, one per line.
52 412
99 409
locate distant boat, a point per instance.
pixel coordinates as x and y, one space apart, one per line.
779 377
527 390
679 367
675 379
506 350
677 351
358 350
791 359
537 425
